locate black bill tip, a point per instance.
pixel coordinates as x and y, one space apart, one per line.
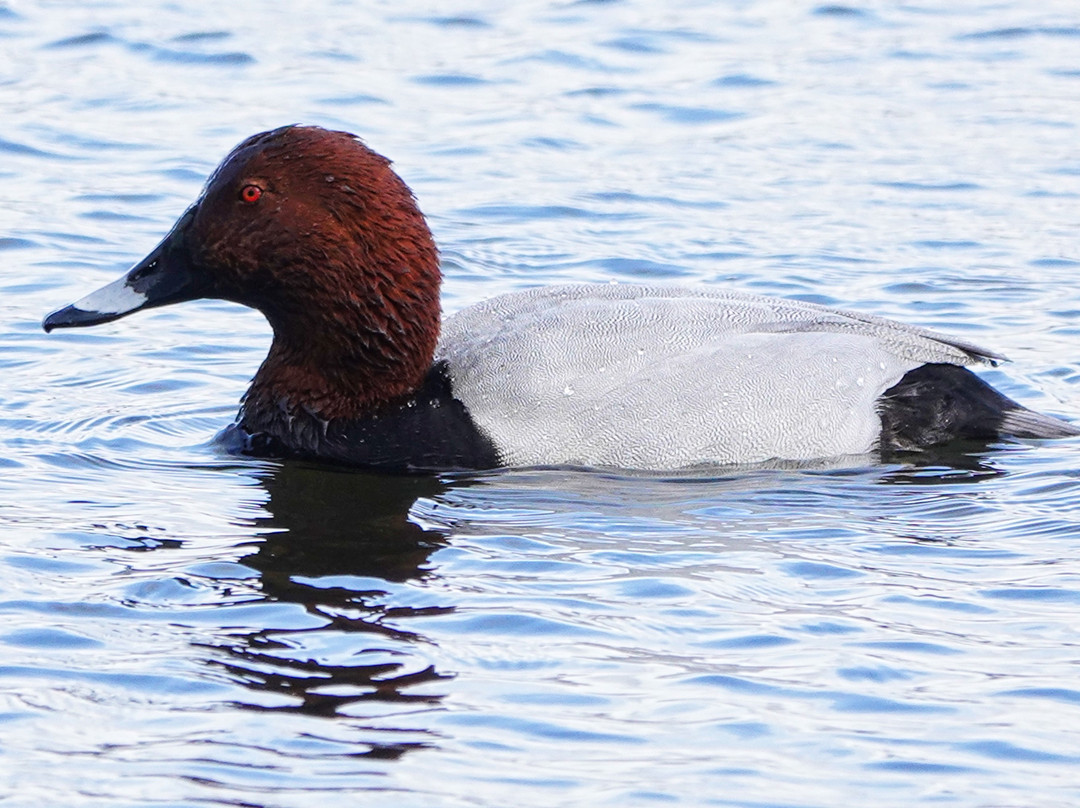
73 317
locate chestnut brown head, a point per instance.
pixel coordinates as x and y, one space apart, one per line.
315 230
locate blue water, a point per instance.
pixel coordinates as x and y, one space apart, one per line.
183 628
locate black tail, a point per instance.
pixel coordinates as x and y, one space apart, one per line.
939 403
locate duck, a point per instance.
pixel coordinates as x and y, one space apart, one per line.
315 230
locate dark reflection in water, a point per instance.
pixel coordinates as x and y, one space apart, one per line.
322 528
956 462
339 543
325 521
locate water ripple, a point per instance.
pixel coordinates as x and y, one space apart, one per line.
188 627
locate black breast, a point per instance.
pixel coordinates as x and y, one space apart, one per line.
430 430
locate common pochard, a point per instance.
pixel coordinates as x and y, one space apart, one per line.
316 231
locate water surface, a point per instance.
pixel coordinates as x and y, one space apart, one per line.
185 628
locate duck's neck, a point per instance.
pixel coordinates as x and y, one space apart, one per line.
347 360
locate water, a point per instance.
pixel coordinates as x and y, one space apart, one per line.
183 628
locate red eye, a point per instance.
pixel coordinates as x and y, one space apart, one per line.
250 193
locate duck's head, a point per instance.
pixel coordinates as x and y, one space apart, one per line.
317 232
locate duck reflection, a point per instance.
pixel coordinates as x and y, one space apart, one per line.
950 463
347 548
322 521
340 543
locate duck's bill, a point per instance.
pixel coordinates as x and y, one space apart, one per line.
165 276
